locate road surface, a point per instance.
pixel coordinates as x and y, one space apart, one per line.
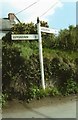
59 107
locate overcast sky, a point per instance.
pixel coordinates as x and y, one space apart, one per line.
61 13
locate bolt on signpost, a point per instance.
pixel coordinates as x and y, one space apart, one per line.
40 53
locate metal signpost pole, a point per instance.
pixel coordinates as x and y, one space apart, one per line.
40 53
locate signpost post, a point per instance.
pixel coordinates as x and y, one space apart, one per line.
40 53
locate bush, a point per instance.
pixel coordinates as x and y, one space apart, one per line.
38 93
3 100
19 73
68 39
62 70
54 91
71 87
21 69
0 101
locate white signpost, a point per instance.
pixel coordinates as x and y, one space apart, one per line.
48 30
40 53
36 37
24 36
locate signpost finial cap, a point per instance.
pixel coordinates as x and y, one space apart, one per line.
37 19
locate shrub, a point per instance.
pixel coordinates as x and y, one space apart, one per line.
21 69
0 101
62 70
35 92
3 100
53 91
71 87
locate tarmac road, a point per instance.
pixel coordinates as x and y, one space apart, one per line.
64 107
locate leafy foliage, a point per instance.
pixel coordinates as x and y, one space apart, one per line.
71 87
68 39
25 28
21 68
3 99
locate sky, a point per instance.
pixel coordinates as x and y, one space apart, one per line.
58 13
